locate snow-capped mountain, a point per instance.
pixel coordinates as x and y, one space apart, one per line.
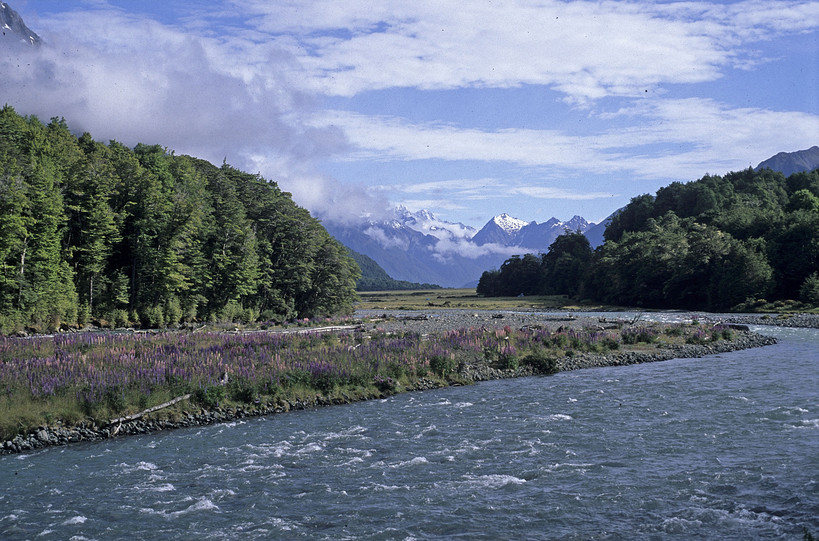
420 247
426 222
502 229
532 236
406 253
15 31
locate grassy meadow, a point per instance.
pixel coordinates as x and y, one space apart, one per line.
468 299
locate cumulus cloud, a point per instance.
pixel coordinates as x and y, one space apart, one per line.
126 77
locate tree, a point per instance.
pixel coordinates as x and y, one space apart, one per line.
809 292
631 218
92 227
565 264
46 293
162 236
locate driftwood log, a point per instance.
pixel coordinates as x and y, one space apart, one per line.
136 416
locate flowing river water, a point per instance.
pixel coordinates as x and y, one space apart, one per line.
721 447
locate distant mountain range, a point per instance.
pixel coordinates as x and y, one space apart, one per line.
420 247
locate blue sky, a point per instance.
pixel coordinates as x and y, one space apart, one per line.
468 109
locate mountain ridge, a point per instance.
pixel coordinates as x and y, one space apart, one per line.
420 247
789 163
14 30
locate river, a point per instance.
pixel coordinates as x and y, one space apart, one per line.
722 447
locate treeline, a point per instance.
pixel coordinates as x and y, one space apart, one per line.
736 241
375 278
90 231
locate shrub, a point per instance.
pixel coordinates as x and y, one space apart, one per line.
115 399
395 370
173 312
508 358
231 312
324 381
249 315
152 317
809 292
610 343
635 335
120 318
697 337
242 390
721 332
385 384
441 365
541 362
674 330
560 340
83 315
209 396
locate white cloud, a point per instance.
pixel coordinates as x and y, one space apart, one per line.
548 192
392 138
446 248
385 240
661 138
126 77
587 50
243 80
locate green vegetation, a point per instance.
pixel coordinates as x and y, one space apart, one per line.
101 376
743 240
375 278
467 299
102 233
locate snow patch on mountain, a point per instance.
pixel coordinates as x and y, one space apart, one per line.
427 223
509 224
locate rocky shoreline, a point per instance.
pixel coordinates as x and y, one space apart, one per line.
49 436
810 321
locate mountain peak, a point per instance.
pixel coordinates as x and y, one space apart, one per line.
13 27
509 224
789 163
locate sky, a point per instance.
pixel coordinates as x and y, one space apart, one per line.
468 109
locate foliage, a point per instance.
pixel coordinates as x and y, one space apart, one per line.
72 376
809 292
441 364
89 231
711 244
541 361
375 278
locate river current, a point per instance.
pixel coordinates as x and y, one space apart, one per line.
722 447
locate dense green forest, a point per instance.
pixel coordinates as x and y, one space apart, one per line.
375 278
719 243
92 231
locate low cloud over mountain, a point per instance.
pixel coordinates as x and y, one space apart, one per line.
419 247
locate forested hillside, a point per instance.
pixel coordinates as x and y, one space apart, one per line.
375 278
713 244
93 231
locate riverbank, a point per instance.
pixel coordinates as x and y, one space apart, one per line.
466 371
810 321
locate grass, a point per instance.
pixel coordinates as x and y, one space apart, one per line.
468 299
